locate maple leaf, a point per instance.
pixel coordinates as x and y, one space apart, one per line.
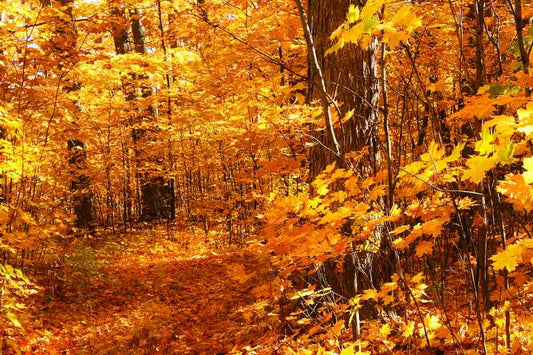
353 14
466 203
504 125
478 167
13 318
525 119
401 229
432 322
335 331
417 278
509 258
517 191
408 329
424 248
377 191
434 153
323 189
385 331
350 350
369 294
434 227
352 185
485 146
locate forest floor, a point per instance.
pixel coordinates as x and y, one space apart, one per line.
144 293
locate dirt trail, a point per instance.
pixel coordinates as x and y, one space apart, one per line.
146 295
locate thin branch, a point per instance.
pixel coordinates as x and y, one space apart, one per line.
319 143
81 19
204 17
467 192
325 97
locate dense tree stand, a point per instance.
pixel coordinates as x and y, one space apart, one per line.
267 177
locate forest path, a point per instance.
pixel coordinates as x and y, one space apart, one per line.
145 294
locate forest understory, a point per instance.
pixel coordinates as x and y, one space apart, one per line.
158 292
266 176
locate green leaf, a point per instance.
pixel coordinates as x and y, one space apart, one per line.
505 154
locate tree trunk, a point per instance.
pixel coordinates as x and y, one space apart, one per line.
80 184
351 78
63 44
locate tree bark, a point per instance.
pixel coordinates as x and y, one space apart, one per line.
80 185
63 44
351 78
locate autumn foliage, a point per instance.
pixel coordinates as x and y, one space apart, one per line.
229 176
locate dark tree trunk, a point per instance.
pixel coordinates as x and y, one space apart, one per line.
172 199
80 185
351 77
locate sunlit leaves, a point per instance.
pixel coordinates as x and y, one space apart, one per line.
525 120
513 255
362 24
477 168
517 192
13 286
528 174
233 131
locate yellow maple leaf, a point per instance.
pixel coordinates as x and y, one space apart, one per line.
329 168
369 294
417 278
400 229
350 350
525 118
477 167
509 258
456 153
385 330
408 329
485 146
353 14
432 322
335 331
434 153
504 125
517 191
323 189
466 203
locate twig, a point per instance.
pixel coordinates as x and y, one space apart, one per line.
468 192
204 17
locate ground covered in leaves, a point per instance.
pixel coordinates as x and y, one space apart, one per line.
150 292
